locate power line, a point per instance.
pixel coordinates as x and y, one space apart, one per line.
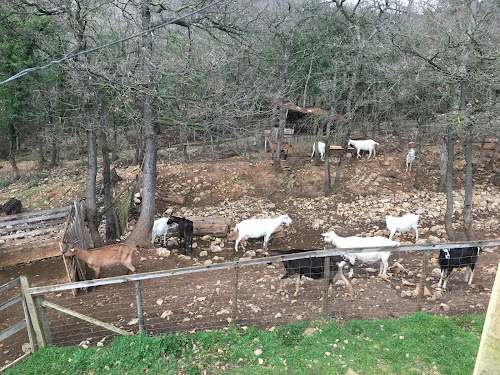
72 55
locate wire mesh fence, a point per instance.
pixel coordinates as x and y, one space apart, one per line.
248 293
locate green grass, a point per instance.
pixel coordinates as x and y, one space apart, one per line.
417 344
4 183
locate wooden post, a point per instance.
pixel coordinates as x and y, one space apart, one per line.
235 293
423 277
326 285
32 313
488 357
138 295
44 321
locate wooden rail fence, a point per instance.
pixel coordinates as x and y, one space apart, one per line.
30 236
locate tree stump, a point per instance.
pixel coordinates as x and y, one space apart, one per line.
13 206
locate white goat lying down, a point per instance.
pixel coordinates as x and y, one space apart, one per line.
410 157
365 145
402 224
368 257
255 228
321 150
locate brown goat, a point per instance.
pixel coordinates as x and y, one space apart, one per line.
103 256
284 148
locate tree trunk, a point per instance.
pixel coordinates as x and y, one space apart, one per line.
90 189
480 158
340 165
448 217
469 229
489 166
419 156
442 165
329 124
141 234
107 188
281 127
12 159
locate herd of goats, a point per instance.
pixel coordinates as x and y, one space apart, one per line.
313 267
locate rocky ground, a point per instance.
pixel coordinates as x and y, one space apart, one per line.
241 189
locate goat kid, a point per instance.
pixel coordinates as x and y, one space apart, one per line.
410 157
402 224
456 258
161 227
255 228
103 256
185 228
365 145
283 148
321 150
313 268
366 257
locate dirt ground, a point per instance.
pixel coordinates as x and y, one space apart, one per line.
241 189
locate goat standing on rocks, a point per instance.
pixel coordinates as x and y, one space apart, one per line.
185 228
410 157
255 228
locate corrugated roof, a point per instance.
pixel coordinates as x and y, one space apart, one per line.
312 111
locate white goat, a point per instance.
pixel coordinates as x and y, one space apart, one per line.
368 257
255 228
321 150
402 224
410 157
161 227
365 145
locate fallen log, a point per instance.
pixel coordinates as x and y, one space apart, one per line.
13 206
172 197
214 226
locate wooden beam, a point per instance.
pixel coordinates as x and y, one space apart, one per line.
24 253
32 312
86 318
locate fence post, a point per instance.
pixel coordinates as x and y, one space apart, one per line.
235 293
138 296
326 285
32 318
488 356
423 278
44 321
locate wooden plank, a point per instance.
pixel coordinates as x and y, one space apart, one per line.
12 330
32 233
33 225
86 318
254 261
14 362
488 356
35 213
21 253
31 241
34 219
9 285
11 302
35 322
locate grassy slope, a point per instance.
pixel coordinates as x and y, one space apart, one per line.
418 344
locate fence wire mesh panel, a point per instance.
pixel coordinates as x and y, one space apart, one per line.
248 293
12 344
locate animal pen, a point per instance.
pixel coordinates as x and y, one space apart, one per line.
242 293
